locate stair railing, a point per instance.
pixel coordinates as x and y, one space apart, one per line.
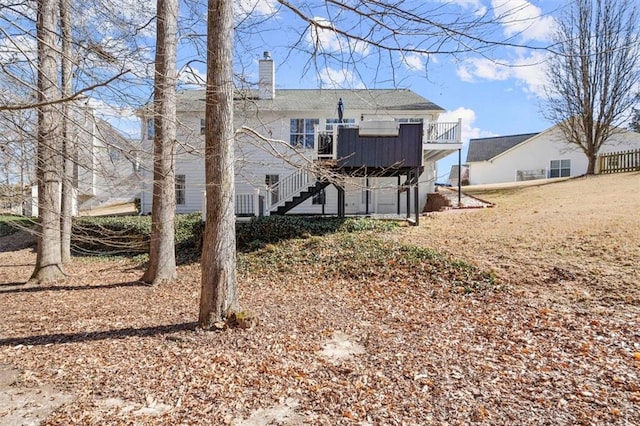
287 188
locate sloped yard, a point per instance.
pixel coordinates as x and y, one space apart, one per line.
531 316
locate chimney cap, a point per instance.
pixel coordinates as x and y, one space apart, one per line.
267 55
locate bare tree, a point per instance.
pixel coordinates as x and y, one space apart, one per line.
635 120
218 298
162 260
593 71
48 261
66 208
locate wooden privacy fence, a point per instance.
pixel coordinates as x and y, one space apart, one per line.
618 162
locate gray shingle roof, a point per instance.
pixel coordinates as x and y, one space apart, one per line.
485 149
321 99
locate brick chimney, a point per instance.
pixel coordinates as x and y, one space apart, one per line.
266 78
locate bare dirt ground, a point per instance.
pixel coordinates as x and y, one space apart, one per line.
558 344
575 244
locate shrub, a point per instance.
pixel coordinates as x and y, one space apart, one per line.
10 224
131 234
111 234
258 232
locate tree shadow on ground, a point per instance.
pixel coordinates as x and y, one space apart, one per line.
61 338
23 288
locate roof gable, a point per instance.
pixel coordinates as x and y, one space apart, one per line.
485 149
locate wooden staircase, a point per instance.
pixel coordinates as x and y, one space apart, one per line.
313 189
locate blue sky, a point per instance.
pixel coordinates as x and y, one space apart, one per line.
496 93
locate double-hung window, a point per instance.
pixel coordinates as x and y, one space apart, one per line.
560 168
181 190
302 130
202 126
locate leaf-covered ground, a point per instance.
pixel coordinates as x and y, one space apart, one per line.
532 317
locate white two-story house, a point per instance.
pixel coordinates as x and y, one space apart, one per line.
317 151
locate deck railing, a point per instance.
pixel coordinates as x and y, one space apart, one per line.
246 204
619 162
324 141
287 188
445 132
326 146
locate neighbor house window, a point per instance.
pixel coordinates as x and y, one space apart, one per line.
329 122
150 128
181 190
202 126
410 120
302 131
560 168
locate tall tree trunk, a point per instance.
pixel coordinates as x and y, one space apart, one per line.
162 258
591 165
66 211
218 298
48 262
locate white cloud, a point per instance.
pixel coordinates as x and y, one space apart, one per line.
531 72
342 79
244 8
192 78
522 18
414 61
468 117
482 68
325 39
476 5
328 40
527 69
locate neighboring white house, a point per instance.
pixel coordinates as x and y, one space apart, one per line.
106 167
535 156
289 141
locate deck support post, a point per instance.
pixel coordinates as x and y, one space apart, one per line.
341 201
366 194
416 198
408 191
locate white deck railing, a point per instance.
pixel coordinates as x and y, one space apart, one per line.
445 132
326 147
287 188
245 204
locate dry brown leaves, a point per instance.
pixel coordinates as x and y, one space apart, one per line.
534 353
